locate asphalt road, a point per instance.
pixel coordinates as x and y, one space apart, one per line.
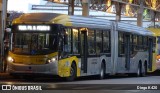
113 84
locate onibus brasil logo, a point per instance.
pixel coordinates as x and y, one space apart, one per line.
19 87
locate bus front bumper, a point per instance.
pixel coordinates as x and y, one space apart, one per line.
47 69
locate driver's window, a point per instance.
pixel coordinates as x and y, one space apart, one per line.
67 40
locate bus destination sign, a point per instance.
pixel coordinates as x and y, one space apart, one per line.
34 28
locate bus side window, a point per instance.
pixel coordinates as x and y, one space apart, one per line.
91 43
106 42
154 44
98 41
121 43
134 43
140 46
145 43
75 41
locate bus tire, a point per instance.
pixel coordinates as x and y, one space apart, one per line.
138 73
73 73
143 74
102 71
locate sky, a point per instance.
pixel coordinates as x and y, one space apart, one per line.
21 5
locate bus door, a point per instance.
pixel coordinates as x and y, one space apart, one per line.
127 51
150 45
84 50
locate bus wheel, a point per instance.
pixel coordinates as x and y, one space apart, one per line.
102 71
143 74
138 71
73 73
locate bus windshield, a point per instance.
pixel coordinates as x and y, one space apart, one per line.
34 43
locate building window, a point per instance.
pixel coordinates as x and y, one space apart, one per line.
154 44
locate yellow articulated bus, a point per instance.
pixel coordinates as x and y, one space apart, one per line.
74 46
156 60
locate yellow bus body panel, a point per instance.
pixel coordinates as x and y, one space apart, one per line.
156 32
64 68
153 63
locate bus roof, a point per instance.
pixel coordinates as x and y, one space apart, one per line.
77 21
134 29
33 18
155 30
66 20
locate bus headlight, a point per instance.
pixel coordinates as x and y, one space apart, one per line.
51 60
10 59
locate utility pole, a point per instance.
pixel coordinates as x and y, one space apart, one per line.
85 7
3 25
140 14
118 11
153 16
71 7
